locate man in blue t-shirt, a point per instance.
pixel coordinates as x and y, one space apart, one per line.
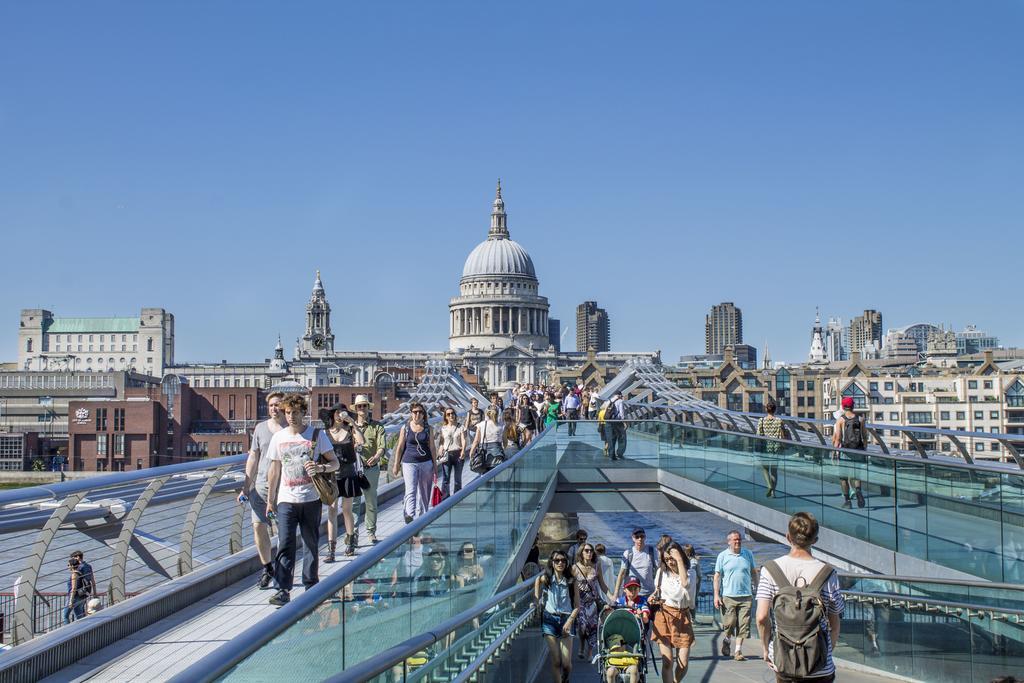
735 576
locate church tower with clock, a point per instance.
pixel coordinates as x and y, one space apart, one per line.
318 341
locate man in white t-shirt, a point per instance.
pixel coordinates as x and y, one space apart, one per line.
800 568
638 562
295 455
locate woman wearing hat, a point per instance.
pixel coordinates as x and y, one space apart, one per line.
348 445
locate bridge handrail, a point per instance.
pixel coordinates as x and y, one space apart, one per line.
894 599
1013 467
237 649
385 660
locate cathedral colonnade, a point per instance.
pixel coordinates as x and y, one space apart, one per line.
469 320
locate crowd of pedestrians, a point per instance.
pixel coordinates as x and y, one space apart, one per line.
660 585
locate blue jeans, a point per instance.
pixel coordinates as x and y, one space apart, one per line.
304 518
75 611
452 469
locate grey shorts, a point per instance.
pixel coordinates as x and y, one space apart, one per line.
259 508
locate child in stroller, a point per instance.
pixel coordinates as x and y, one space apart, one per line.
622 648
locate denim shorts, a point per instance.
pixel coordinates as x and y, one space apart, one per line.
554 624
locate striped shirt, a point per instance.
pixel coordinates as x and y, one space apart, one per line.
833 598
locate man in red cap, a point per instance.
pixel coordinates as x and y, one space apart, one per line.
849 434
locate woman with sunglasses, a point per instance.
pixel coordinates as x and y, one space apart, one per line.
673 626
470 571
417 461
451 444
348 444
433 578
591 587
557 599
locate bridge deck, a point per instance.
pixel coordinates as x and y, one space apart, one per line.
169 646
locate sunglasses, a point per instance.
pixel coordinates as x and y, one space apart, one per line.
419 412
588 550
469 551
559 560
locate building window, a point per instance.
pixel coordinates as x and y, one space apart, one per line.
979 446
799 385
28 346
987 384
915 417
993 447
961 415
972 384
888 386
879 416
118 445
810 385
1015 395
799 401
118 419
944 415
810 400
101 420
873 386
860 401
979 414
945 446
993 415
101 445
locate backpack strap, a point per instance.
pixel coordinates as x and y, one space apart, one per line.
316 444
775 571
821 578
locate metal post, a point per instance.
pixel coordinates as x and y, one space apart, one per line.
120 559
188 531
25 585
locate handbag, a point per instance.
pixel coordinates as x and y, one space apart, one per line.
436 494
364 483
325 484
495 458
478 460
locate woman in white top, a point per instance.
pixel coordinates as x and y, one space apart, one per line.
451 445
488 438
673 626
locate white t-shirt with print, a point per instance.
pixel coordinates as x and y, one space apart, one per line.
293 450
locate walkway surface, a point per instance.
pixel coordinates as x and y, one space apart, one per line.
166 648
707 664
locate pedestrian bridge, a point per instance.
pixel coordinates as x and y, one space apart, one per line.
930 564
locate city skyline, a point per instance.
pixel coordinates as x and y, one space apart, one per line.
369 140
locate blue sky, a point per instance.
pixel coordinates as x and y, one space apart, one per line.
207 157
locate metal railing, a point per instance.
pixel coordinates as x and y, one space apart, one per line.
238 649
646 385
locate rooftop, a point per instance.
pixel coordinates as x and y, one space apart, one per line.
76 325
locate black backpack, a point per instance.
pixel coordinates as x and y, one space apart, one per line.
800 645
853 433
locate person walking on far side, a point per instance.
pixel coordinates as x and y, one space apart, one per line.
771 427
414 454
615 427
296 453
735 574
571 407
849 433
801 595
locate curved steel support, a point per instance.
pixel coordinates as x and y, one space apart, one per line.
750 423
817 433
188 531
25 586
962 448
1013 451
238 518
917 445
124 539
878 439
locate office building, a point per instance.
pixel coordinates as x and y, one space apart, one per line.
593 328
723 327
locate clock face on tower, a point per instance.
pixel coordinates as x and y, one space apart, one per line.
318 341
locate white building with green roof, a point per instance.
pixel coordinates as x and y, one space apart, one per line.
143 343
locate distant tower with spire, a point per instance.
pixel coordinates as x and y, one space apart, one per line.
318 341
499 219
817 353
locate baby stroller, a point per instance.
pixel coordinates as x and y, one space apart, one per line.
622 628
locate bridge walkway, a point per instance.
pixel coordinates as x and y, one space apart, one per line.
158 652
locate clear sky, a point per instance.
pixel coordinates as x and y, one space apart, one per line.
207 157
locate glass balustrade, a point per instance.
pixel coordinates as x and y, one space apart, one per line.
456 562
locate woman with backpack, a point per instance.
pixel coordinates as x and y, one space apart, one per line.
557 598
347 442
417 461
672 629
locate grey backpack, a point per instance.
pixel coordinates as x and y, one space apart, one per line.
800 645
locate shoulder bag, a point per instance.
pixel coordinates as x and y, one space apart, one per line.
326 484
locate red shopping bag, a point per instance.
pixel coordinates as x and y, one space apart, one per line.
436 495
